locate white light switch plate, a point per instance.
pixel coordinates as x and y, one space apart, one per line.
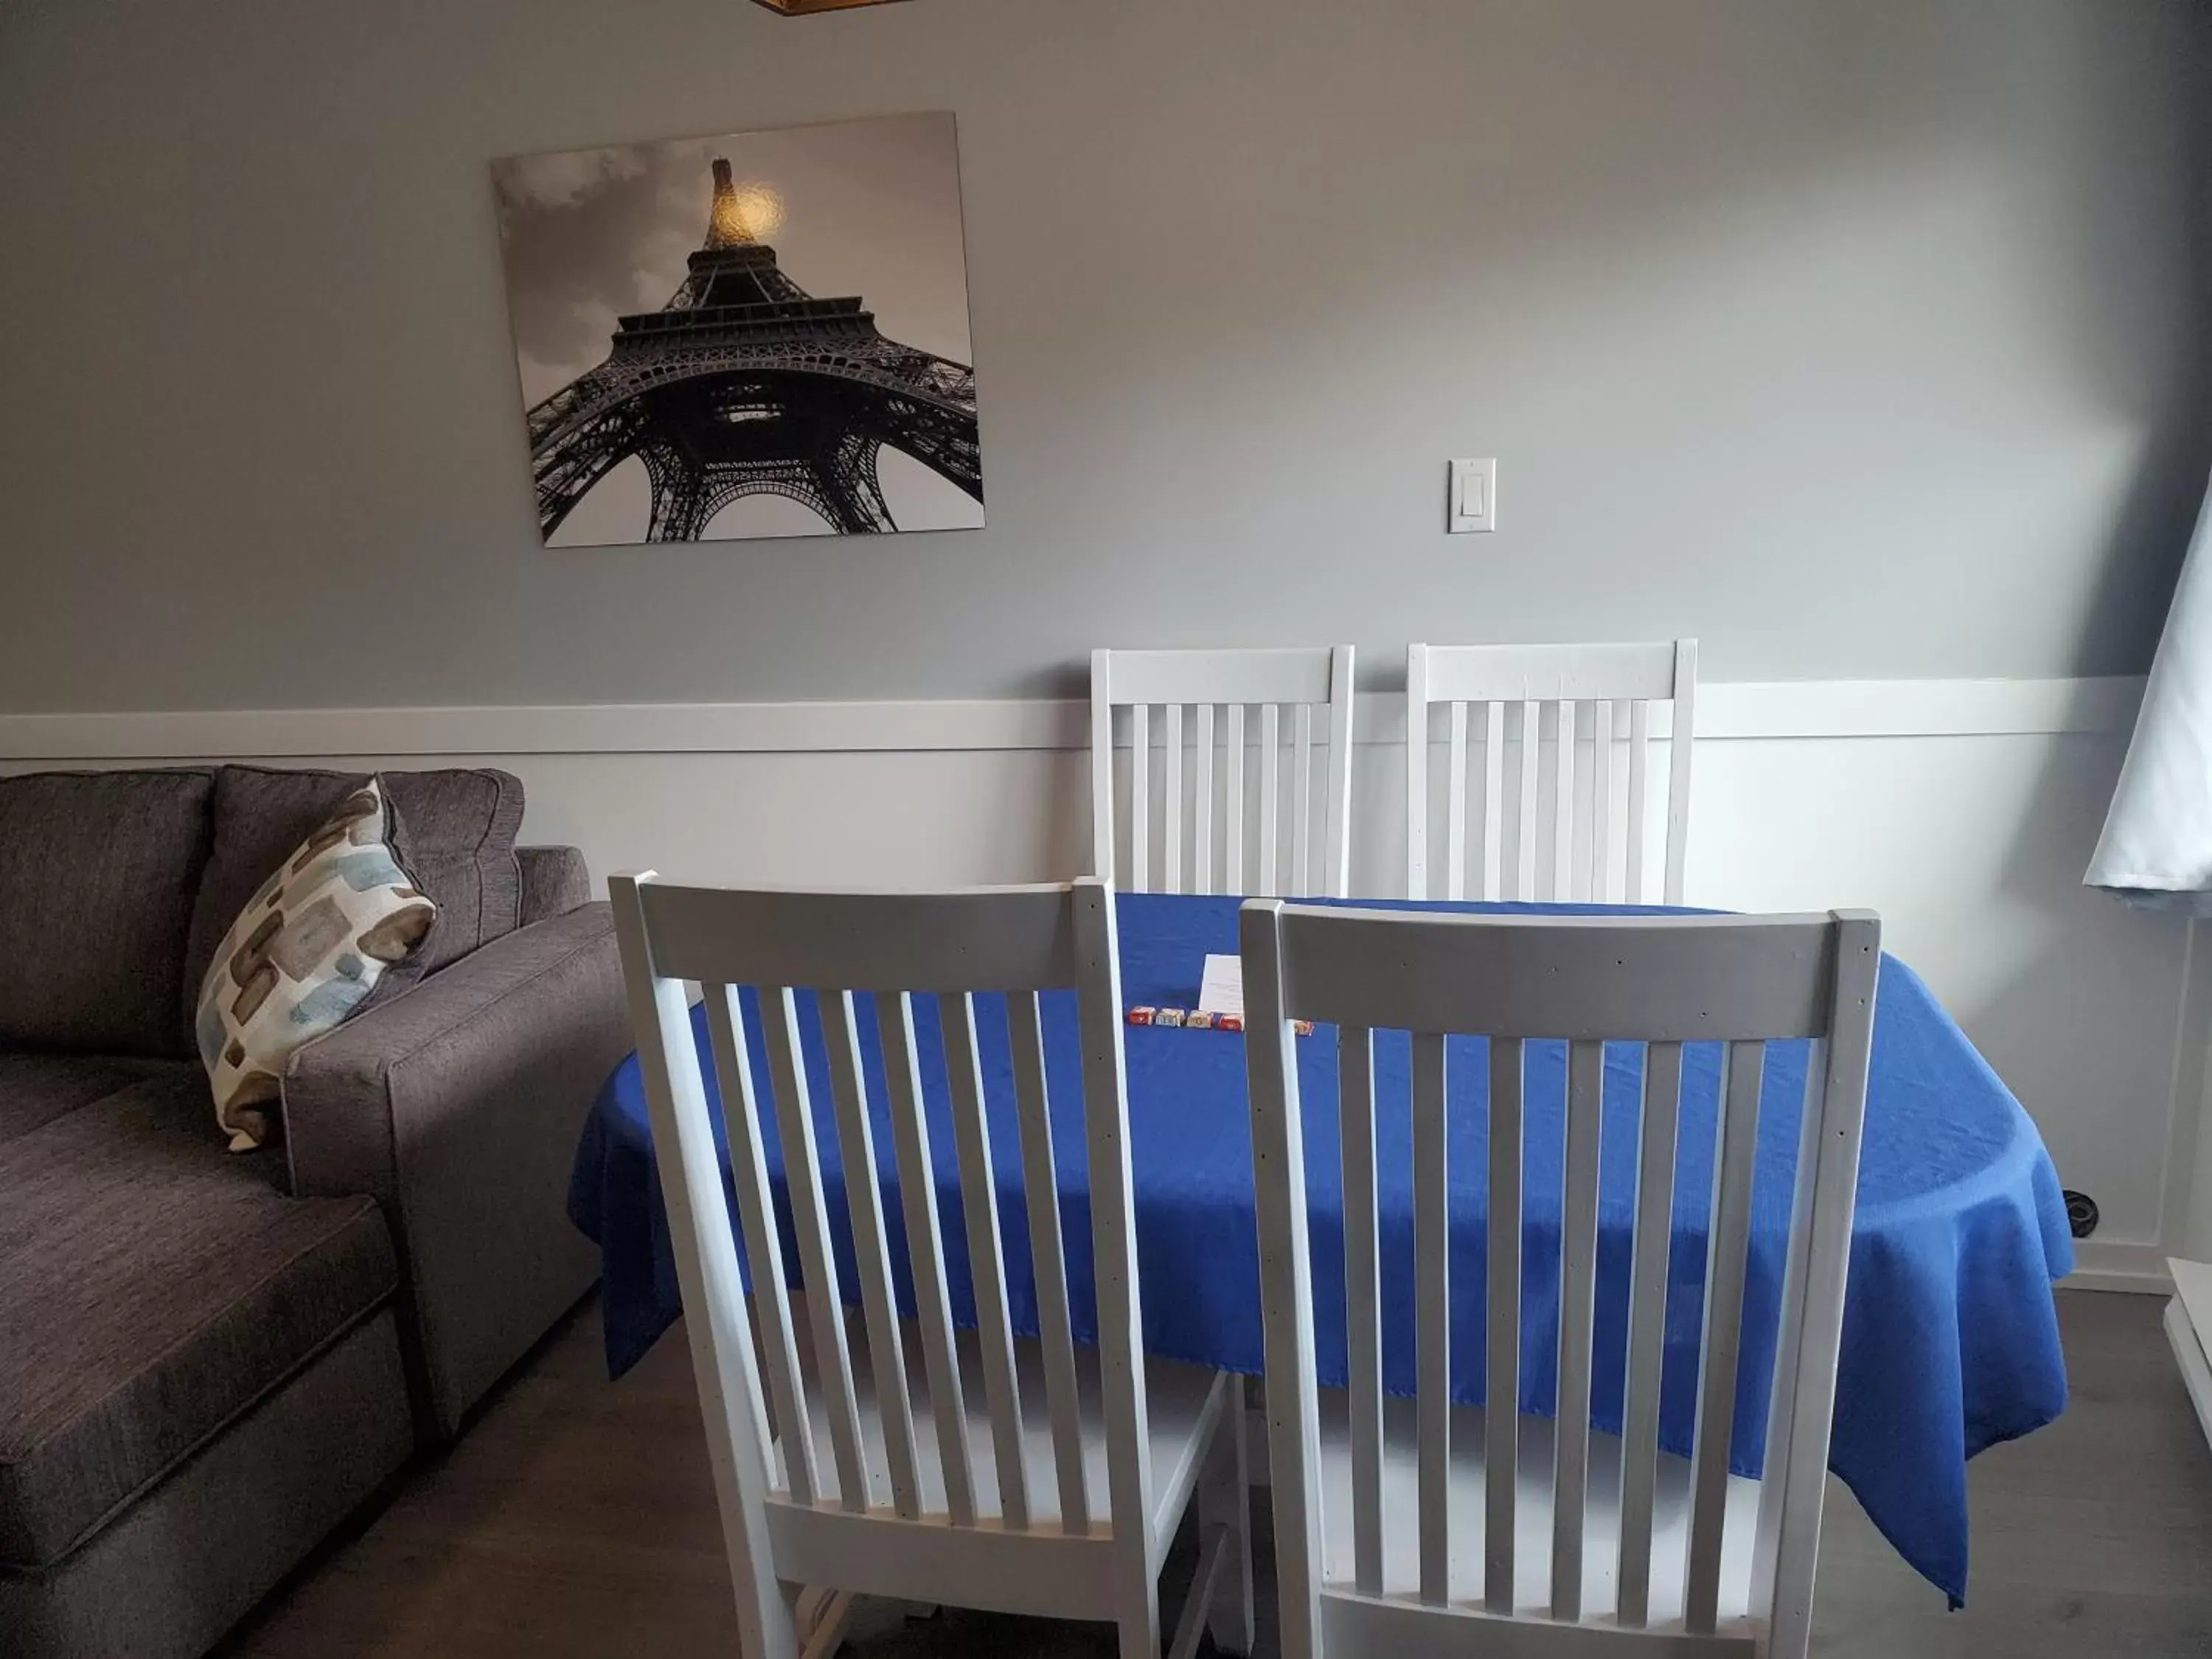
1473 502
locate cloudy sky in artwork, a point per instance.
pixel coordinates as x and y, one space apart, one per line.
869 208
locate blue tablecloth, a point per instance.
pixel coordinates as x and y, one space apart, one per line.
1950 1342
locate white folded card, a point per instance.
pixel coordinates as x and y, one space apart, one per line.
1221 991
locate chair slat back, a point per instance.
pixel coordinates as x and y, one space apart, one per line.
1547 770
1205 839
895 949
1649 983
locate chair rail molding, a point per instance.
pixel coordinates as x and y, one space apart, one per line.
1728 710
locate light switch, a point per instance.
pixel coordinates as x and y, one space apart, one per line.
1472 504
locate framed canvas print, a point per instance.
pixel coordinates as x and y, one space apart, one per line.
757 334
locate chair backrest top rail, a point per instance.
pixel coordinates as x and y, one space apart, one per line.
1001 938
1545 673
1611 978
1285 674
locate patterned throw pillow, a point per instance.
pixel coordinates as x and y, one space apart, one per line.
307 951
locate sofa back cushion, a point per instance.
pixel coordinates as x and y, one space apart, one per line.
454 831
98 873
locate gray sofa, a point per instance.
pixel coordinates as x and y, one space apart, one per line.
208 1360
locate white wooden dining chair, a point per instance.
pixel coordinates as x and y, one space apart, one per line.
1560 812
1271 850
861 1468
1586 1544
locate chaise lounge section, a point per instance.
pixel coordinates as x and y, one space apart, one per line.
208 1360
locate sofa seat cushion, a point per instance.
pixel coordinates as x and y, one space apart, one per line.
454 831
153 1287
98 871
35 1088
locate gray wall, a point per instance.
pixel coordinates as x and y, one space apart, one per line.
1861 338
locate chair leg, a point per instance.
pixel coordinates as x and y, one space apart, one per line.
822 1616
1139 1636
1225 1499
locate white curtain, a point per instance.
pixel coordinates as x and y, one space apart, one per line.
2156 849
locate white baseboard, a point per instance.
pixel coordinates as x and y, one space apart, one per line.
2137 1269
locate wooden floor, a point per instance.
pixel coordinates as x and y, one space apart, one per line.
576 1519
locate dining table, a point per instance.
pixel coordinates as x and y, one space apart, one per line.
1950 1340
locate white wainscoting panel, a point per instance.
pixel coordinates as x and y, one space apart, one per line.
1963 811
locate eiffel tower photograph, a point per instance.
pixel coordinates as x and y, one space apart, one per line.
756 335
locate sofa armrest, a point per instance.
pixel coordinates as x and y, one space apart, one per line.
458 1107
555 881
